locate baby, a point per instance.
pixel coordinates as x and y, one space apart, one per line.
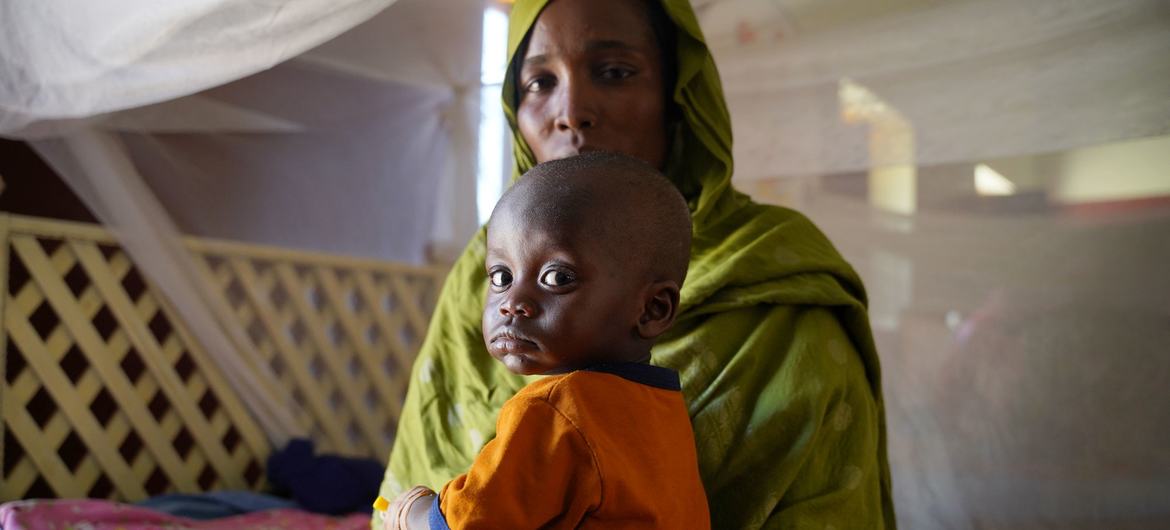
585 259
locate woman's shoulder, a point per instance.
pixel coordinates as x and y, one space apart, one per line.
746 220
782 218
759 250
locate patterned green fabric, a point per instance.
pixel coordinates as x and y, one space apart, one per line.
773 343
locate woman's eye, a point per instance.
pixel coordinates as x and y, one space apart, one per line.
539 84
556 278
616 72
500 278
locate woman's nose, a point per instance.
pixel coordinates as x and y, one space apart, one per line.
578 109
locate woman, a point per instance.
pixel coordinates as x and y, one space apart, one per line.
772 340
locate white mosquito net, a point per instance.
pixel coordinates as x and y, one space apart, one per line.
995 169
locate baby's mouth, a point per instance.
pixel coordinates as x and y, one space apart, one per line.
511 342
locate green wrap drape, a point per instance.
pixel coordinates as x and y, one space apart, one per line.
772 342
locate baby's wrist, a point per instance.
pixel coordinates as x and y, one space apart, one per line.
418 510
408 510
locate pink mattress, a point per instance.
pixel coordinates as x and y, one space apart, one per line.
93 514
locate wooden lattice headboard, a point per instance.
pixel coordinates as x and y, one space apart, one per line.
105 394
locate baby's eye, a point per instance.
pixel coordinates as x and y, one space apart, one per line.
500 278
556 278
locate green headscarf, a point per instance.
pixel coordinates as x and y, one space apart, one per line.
772 341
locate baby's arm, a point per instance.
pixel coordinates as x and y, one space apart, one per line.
538 470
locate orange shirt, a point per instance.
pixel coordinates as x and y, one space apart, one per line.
606 447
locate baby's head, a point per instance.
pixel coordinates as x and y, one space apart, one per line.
585 259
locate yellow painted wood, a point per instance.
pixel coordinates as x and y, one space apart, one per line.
79 421
151 354
49 465
87 386
392 387
54 431
58 229
407 298
22 476
366 421
117 430
143 467
58 343
3 337
399 324
90 344
61 259
389 324
87 473
334 400
89 303
24 387
293 358
267 386
252 251
26 301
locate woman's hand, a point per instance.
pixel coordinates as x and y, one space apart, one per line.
409 510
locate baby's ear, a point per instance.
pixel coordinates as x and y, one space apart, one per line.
659 308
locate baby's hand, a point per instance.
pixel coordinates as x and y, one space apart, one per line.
403 514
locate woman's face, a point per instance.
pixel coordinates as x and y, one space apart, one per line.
592 80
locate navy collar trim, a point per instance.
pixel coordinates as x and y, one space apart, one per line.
646 374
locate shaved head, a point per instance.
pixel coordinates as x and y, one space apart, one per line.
623 204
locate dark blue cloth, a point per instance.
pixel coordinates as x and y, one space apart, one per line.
215 504
327 484
435 517
646 374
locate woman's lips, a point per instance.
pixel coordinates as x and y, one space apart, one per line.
573 149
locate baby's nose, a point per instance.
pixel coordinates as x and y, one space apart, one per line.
514 306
